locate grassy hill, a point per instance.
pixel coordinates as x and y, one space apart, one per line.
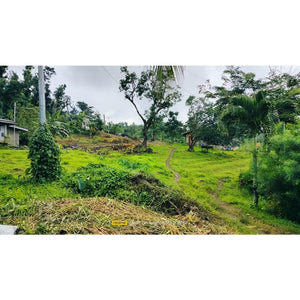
209 178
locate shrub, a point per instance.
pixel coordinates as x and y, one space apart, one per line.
97 180
280 175
141 189
44 155
246 180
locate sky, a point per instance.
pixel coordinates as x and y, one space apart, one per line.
99 87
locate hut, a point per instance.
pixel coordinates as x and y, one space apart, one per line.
188 138
9 132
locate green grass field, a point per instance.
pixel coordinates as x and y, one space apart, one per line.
209 177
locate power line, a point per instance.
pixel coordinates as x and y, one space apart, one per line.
110 75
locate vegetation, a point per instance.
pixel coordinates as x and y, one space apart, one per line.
153 87
253 113
44 156
140 180
104 164
280 173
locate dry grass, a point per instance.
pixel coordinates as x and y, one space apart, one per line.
102 142
95 216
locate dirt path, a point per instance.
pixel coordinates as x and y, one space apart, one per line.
222 204
228 210
177 175
236 214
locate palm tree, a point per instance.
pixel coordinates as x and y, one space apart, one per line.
252 113
177 72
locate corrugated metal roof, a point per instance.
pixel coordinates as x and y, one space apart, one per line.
18 128
5 121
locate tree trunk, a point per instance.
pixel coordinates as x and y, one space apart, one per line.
255 193
191 145
145 136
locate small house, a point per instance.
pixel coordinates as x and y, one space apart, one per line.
188 138
9 132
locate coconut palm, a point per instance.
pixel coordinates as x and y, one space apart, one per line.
252 114
177 72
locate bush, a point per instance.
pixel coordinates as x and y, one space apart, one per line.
246 180
97 180
280 175
141 189
44 155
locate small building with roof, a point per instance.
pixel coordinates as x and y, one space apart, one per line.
9 132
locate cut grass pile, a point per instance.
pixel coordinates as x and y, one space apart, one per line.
96 216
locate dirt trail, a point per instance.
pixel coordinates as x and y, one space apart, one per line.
177 175
236 214
222 204
228 210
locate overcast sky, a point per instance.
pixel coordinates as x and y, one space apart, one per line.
99 86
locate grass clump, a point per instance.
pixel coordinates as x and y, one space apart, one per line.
98 180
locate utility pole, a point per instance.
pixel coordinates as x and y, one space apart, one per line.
15 124
42 95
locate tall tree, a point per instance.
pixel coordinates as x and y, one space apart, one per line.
254 113
61 101
158 91
174 128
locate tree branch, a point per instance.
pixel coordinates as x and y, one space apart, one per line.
141 116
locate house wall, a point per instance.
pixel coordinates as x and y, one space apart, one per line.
2 132
188 138
11 141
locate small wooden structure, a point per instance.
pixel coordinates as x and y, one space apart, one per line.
188 138
9 132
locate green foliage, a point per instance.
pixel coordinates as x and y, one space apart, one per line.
132 165
157 90
173 127
203 121
246 180
57 124
280 174
27 117
44 155
140 188
97 180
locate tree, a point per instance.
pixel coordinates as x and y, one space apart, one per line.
61 100
283 94
252 112
11 92
27 117
175 72
173 127
157 90
157 128
84 107
280 173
